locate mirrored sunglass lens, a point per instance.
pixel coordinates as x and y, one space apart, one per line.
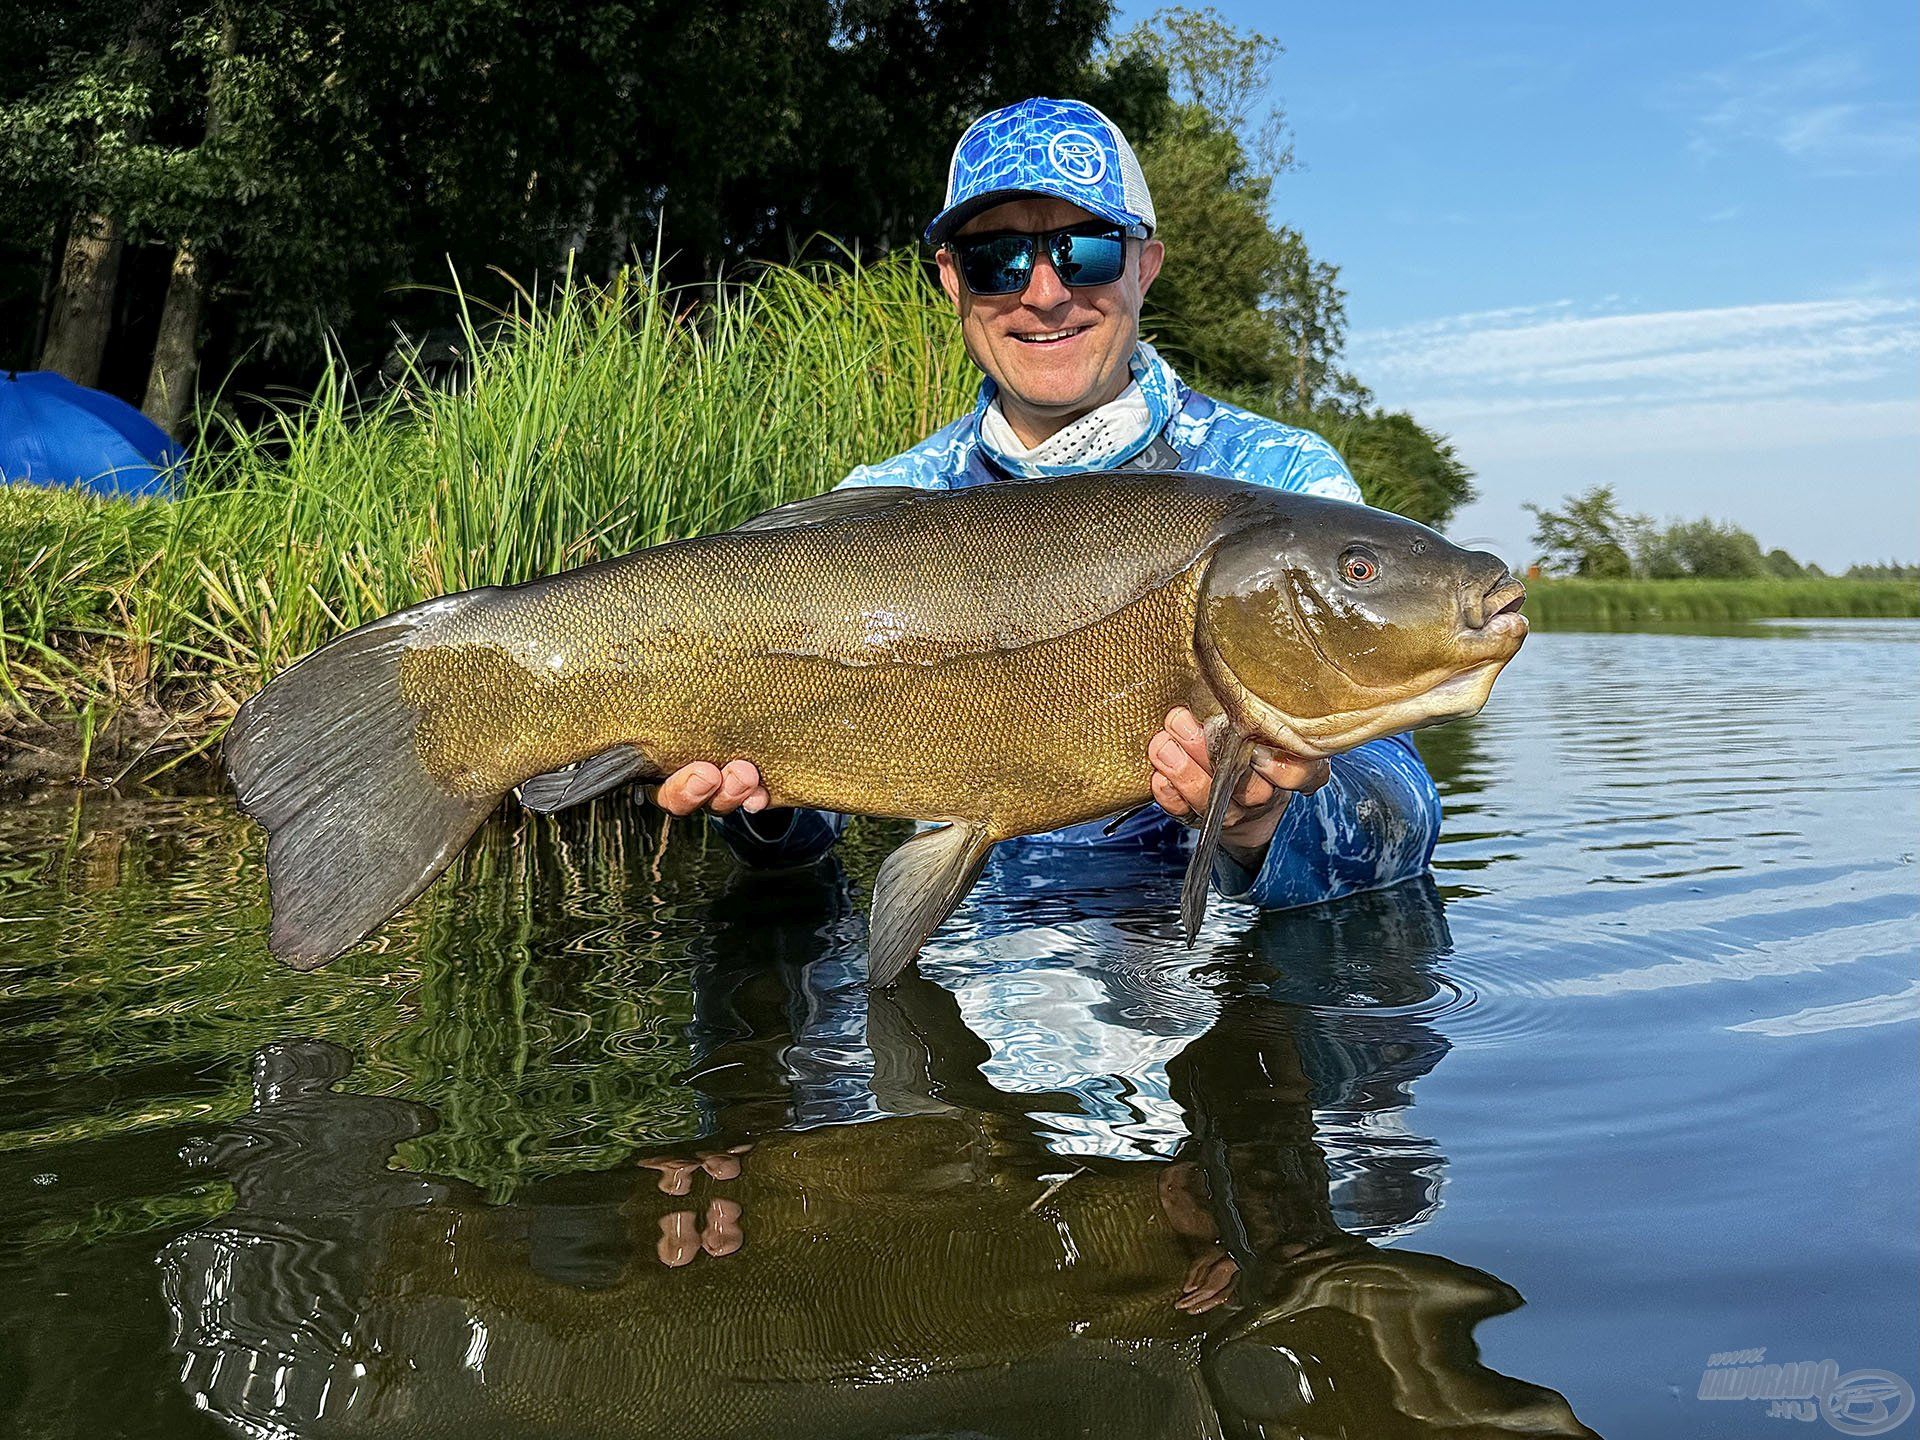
999 266
1088 259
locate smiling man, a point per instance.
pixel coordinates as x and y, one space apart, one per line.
1046 249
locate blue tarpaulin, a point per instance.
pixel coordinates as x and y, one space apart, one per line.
54 432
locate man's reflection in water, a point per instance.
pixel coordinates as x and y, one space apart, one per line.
1019 1242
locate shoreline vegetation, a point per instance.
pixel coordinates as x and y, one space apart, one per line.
1578 604
587 421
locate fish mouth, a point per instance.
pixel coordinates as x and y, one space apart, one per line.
1505 599
1495 625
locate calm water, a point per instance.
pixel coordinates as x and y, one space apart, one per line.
610 1141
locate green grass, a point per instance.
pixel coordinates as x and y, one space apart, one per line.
597 420
1623 604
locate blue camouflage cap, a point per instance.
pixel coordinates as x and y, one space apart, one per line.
1064 148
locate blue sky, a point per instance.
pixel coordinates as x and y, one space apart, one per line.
1674 248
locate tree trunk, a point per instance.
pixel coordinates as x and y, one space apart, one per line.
81 314
49 286
176 350
82 311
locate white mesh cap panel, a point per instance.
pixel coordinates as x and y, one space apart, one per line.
1133 184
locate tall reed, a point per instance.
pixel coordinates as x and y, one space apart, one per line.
594 419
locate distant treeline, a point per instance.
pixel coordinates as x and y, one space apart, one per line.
1590 537
224 188
1627 604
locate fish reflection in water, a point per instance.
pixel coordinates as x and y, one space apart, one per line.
975 1258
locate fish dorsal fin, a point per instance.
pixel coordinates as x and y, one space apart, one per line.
1232 753
920 885
572 784
845 504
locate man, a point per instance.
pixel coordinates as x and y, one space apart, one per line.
1046 249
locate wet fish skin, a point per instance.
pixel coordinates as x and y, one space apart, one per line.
995 658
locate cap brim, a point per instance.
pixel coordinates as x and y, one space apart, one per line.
954 216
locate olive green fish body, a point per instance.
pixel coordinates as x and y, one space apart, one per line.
996 658
974 656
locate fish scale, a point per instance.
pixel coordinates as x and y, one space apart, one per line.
995 658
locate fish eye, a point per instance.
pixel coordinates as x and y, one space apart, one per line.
1359 567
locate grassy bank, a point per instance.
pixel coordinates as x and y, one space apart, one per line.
592 423
1622 604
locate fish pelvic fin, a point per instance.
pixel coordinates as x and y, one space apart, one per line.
1232 753
324 758
920 885
578 783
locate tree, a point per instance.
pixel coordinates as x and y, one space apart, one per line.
1703 548
1400 464
1588 536
275 171
1243 306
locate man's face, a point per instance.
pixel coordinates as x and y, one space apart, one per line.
1055 352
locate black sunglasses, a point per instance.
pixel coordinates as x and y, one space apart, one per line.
1001 263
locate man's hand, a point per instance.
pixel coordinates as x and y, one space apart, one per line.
1183 778
723 791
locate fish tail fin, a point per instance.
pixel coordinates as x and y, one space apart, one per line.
919 885
324 758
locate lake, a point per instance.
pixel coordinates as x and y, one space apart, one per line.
608 1139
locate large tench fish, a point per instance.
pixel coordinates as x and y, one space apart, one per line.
995 658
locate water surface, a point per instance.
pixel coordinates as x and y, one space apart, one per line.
607 1139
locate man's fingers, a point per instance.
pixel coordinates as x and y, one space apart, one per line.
1253 791
1183 728
688 788
737 787
679 1239
740 789
1175 763
1168 798
721 1234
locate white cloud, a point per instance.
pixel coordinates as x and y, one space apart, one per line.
1728 410
1804 102
1549 365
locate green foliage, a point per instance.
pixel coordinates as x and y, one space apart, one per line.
1242 305
1591 537
1401 465
1631 604
362 146
1782 566
1705 549
540 998
1588 536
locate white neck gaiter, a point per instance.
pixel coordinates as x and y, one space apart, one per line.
1115 432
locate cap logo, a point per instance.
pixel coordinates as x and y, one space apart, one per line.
1077 156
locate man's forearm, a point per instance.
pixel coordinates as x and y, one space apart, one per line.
1372 824
781 838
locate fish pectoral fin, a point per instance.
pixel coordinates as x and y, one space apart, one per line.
581 781
920 885
834 505
1232 753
